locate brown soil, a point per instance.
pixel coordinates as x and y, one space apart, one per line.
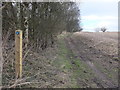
100 52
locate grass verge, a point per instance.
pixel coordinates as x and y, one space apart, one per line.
80 75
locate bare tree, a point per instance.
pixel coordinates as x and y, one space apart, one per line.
103 29
41 22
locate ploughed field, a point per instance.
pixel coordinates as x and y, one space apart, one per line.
99 51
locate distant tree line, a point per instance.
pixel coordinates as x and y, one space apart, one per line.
41 22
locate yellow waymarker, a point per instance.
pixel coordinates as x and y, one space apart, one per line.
18 53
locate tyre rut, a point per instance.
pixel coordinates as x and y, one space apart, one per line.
102 80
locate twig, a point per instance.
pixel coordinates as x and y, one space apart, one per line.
14 85
27 53
23 79
3 6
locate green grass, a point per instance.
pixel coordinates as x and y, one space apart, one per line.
64 58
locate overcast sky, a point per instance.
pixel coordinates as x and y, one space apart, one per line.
99 13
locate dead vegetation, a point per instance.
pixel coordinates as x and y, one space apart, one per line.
37 69
79 60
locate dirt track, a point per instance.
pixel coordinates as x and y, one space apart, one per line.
100 52
79 60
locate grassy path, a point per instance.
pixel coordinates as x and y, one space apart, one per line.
78 74
77 60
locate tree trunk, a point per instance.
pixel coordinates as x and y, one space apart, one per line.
1 56
26 23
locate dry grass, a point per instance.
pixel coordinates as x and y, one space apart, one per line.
38 70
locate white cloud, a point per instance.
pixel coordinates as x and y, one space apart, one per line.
92 22
99 13
95 17
88 27
103 24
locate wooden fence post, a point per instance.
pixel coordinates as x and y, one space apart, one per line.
18 53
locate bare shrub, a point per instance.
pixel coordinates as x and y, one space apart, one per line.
103 29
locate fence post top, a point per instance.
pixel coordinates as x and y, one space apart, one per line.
18 31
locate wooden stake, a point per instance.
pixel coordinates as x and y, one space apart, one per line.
18 53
